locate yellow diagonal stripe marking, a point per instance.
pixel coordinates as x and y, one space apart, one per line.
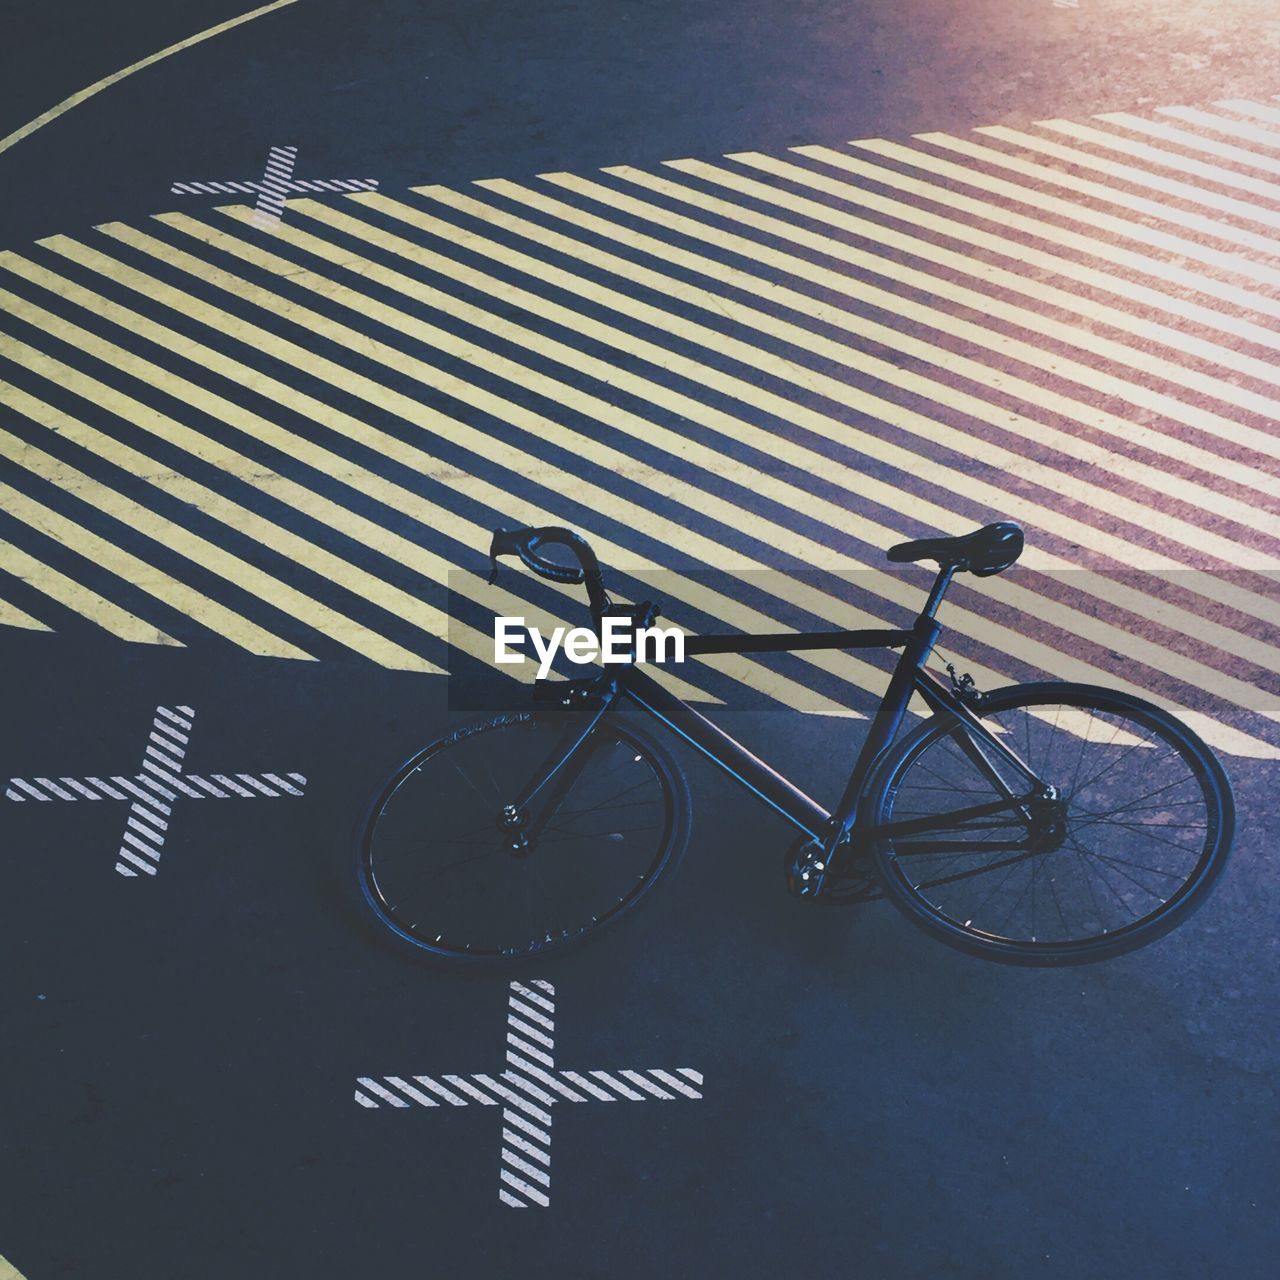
1139 359
1243 743
733 613
685 450
146 577
1242 129
1194 141
693 489
434 567
78 598
1023 254
929 430
329 621
1122 429
1114 169
1183 164
8 1271
1164 210
10 614
997 280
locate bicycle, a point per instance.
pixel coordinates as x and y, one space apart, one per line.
1040 824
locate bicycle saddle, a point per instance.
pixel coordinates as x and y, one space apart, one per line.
991 549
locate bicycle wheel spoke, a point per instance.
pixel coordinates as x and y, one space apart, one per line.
1017 901
1113 766
1144 829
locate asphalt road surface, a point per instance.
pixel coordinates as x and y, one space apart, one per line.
745 292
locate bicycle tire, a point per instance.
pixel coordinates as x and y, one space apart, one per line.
502 741
921 890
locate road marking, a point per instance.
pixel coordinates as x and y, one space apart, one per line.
1136 176
1048 201
584 446
1194 142
275 186
525 1090
234 515
77 597
1256 110
681 361
8 1271
1183 164
133 569
935 317
154 790
1221 124
680 446
799 339
107 81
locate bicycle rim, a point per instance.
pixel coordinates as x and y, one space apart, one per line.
1147 823
437 867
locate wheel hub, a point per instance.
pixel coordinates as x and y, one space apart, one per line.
1047 824
511 822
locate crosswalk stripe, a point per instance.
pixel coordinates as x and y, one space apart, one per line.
123 564
78 598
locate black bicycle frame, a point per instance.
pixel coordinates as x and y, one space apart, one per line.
909 677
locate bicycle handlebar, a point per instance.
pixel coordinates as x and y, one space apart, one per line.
526 544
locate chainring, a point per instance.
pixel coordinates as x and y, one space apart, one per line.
851 880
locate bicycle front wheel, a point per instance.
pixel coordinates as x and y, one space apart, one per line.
1140 833
438 867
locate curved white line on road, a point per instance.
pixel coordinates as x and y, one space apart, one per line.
77 98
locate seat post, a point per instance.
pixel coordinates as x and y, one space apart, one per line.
939 589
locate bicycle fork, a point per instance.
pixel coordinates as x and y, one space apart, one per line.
555 777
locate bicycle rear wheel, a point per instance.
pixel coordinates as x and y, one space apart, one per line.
437 867
1143 830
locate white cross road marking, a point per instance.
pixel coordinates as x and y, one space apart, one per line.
152 792
275 186
526 1091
